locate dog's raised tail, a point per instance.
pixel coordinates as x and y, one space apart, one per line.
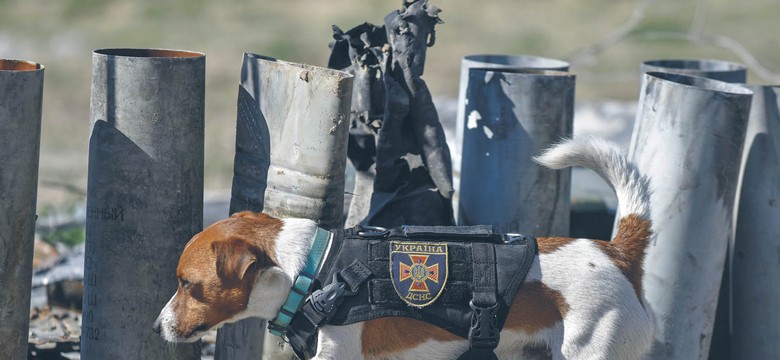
633 192
607 160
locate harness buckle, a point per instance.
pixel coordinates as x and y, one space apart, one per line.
513 238
372 231
484 332
325 300
277 330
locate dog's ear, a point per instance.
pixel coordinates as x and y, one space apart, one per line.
236 258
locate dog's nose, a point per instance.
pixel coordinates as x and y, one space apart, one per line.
157 327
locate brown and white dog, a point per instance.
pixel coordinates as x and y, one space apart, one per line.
582 299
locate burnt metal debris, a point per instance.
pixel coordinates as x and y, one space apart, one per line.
396 141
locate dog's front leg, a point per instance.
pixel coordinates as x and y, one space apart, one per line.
340 342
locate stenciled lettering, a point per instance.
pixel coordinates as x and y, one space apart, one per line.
92 333
411 296
421 248
106 213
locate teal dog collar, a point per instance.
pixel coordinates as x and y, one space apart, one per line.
303 282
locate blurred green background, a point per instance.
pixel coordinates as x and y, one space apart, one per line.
604 39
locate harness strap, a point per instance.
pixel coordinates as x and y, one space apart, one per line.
484 332
303 282
321 305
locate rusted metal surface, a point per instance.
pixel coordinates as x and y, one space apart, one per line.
145 196
21 95
291 145
688 140
512 115
755 274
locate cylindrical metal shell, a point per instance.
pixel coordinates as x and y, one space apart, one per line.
688 139
755 275
488 61
291 152
21 96
512 115
144 196
296 118
732 73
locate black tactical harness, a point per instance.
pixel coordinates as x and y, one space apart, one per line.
354 284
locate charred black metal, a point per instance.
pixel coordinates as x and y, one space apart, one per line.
396 140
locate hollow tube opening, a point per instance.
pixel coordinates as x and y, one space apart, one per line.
697 64
319 69
701 83
18 65
150 53
523 71
517 60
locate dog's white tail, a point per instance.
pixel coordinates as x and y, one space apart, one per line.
607 160
633 192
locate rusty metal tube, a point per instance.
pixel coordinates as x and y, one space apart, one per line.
21 96
511 116
291 152
144 196
688 139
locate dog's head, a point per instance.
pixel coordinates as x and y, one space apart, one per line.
226 273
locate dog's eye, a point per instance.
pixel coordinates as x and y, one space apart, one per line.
185 284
